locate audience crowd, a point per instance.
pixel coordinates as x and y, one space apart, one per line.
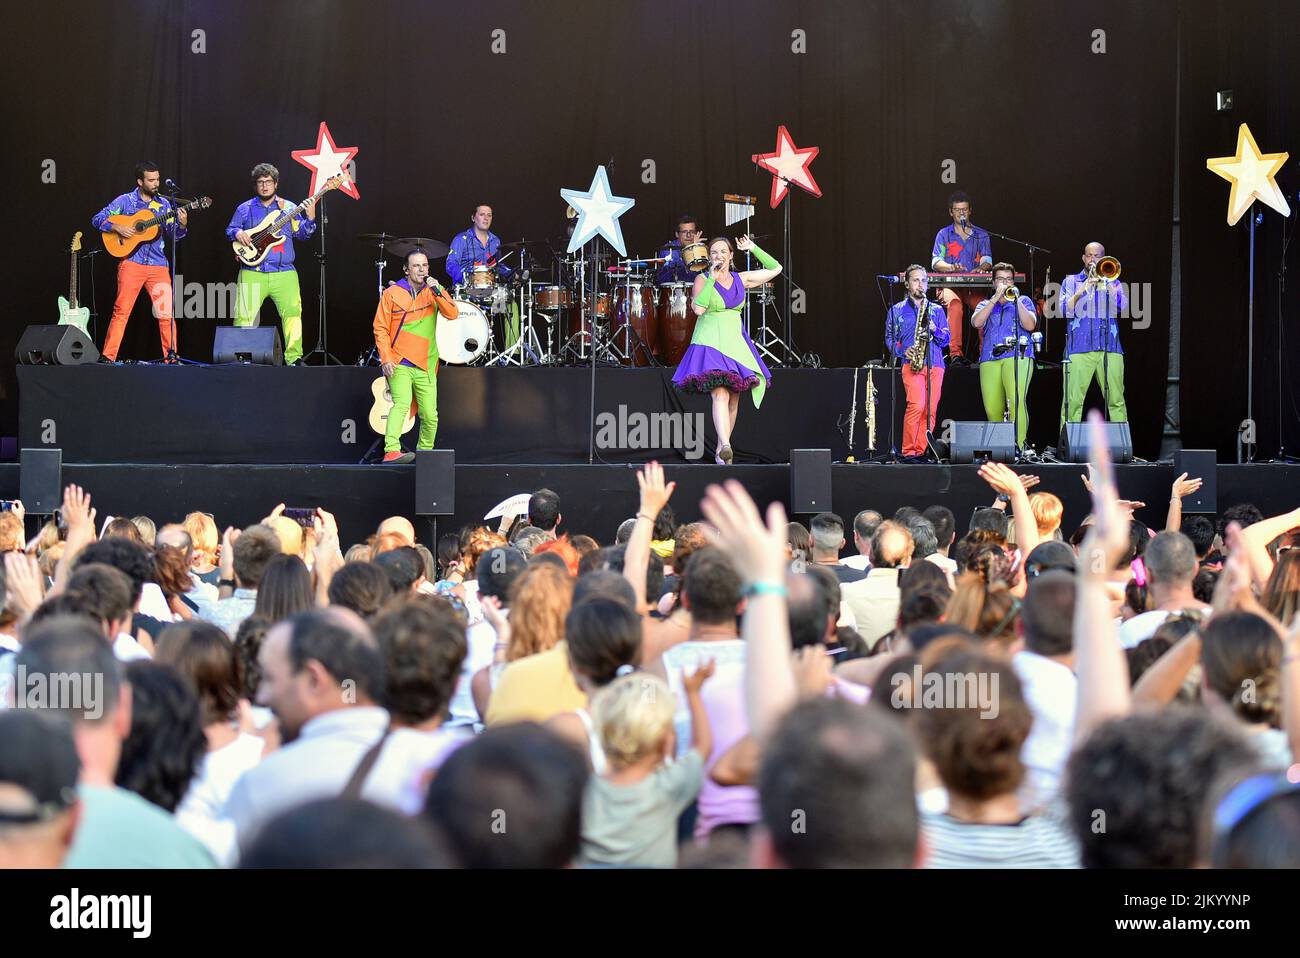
1034 690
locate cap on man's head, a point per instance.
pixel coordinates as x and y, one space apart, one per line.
40 758
1047 556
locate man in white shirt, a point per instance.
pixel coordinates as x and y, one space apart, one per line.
945 534
243 561
865 524
322 673
1171 564
496 571
874 600
1046 670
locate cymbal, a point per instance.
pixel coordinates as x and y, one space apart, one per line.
520 243
403 246
376 237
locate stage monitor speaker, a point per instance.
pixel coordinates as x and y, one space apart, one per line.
982 442
810 481
1199 464
435 482
259 345
1073 446
40 480
55 345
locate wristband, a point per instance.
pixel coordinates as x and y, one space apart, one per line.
645 515
226 582
765 588
764 260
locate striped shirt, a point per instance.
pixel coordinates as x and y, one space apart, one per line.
1034 842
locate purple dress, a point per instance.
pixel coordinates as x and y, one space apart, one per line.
721 352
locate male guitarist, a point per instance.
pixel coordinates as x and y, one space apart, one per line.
406 336
275 275
147 266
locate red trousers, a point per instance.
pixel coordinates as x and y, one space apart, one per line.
157 282
956 301
918 418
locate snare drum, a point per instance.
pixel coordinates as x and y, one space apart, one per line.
696 257
465 338
676 321
634 310
480 283
552 297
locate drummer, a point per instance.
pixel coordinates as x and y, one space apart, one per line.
476 246
675 269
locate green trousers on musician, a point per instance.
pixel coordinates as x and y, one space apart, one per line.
999 389
1108 370
283 289
405 381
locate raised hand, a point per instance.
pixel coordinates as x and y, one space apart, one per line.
695 681
744 243
1001 478
756 549
1108 539
1028 482
24 584
655 493
1184 487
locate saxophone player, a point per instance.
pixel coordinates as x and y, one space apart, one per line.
917 331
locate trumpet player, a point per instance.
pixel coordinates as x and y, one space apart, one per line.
916 331
1005 370
1093 301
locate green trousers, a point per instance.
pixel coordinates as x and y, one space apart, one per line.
424 384
1084 368
999 388
282 287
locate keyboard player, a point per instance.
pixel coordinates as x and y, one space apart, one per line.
960 247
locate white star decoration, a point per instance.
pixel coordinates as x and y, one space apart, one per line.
1251 175
788 163
598 213
328 160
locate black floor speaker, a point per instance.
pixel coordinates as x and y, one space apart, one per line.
810 480
55 345
259 345
435 482
1073 446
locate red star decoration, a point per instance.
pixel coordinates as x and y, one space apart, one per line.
954 250
327 160
788 163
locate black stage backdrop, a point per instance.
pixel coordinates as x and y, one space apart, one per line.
1056 143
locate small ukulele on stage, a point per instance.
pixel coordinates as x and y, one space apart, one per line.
70 314
268 235
147 224
384 405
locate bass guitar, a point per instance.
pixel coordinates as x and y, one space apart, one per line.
145 225
269 235
70 314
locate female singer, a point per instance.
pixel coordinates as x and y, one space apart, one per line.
721 359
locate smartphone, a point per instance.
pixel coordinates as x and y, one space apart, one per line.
304 517
6 505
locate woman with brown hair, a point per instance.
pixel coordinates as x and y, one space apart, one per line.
207 660
973 721
1282 593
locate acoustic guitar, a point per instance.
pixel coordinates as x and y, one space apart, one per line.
70 314
384 405
146 224
268 235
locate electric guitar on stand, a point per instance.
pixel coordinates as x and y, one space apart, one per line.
70 314
268 235
146 224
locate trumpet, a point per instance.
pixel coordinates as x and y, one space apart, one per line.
1011 294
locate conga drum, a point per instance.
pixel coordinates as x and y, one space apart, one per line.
676 321
634 318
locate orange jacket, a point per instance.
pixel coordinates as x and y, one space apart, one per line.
401 320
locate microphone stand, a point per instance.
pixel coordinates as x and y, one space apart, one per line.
173 355
1031 247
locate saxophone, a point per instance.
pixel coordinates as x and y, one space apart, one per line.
920 349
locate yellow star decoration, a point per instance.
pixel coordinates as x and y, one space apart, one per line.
1251 175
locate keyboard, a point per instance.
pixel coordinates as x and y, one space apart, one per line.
966 280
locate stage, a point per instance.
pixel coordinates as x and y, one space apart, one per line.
244 414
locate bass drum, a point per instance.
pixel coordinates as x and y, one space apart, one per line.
676 321
634 309
465 338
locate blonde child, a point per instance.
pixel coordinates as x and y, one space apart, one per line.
629 815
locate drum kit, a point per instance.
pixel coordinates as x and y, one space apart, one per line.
554 309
